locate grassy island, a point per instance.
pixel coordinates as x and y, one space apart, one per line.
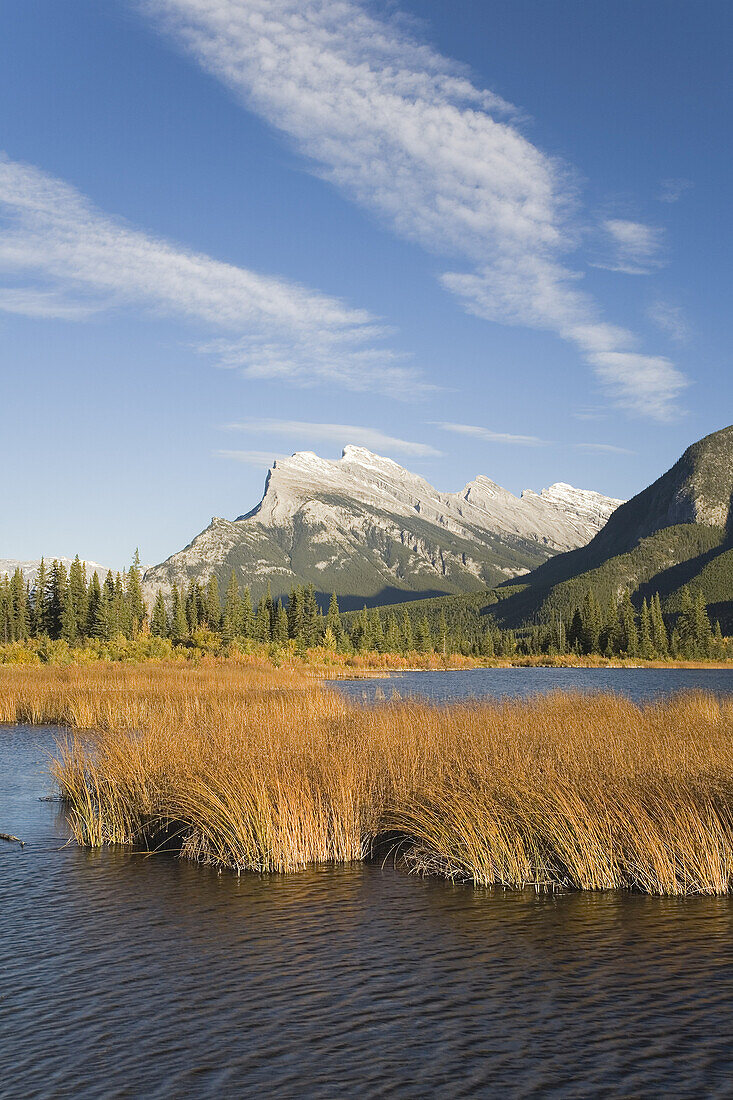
244 766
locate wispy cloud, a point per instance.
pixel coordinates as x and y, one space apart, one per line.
526 440
672 190
340 434
83 261
602 448
636 248
491 437
670 319
251 458
405 133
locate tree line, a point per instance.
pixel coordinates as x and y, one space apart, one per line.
61 604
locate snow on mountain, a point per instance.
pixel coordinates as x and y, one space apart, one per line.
29 569
368 529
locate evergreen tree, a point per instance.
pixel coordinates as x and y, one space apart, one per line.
39 617
592 624
179 625
376 630
295 612
424 639
702 630
136 610
660 640
442 633
94 598
213 603
333 620
159 625
392 641
248 619
280 631
56 598
263 622
646 644
685 625
232 617
629 632
78 602
408 640
309 626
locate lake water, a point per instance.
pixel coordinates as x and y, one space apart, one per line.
125 975
639 684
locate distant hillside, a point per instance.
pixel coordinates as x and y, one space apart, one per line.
371 531
677 532
29 567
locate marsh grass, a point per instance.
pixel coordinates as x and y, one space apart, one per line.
243 766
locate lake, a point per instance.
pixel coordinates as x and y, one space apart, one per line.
639 684
128 975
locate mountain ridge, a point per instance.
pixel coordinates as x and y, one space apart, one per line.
363 526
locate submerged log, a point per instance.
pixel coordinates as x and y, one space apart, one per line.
12 839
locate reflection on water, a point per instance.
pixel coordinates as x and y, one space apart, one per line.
127 975
638 684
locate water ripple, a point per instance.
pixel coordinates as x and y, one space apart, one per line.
127 976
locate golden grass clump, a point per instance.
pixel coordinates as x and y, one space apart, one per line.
261 769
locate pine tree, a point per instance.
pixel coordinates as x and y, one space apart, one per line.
309 627
685 625
629 632
94 598
56 599
295 611
408 640
77 600
424 637
136 610
280 631
660 640
646 644
213 603
39 616
333 620
232 617
702 628
376 630
442 634
248 619
592 624
392 641
159 625
263 623
179 625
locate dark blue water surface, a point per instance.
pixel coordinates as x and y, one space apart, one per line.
639 684
124 975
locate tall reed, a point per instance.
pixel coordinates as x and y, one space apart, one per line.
253 768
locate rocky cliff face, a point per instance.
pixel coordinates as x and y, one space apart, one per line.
370 530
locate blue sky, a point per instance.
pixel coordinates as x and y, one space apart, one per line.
477 237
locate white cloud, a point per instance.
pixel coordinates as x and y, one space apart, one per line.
637 248
526 440
669 319
29 302
603 448
492 437
672 190
85 261
341 434
251 458
403 132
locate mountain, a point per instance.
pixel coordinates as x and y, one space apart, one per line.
371 531
29 569
676 532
